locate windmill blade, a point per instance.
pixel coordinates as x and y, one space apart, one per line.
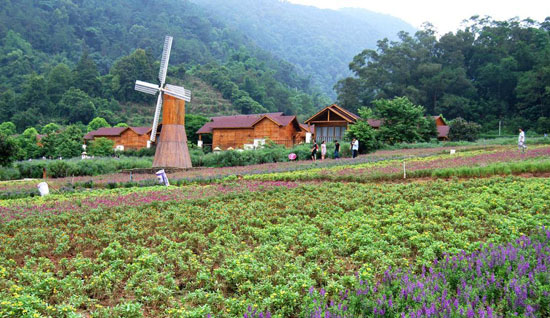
164 60
156 120
147 88
178 92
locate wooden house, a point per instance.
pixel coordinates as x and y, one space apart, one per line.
442 128
124 137
330 123
251 131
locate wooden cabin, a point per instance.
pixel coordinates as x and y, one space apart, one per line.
330 123
442 128
124 137
251 131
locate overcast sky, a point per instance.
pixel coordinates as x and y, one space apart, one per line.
444 15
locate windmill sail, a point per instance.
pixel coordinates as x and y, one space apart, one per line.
178 92
164 60
156 120
147 88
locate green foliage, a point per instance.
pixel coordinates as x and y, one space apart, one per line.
363 132
480 71
63 66
460 129
137 66
8 150
122 125
101 147
77 106
50 129
192 124
402 121
28 144
97 123
7 128
299 35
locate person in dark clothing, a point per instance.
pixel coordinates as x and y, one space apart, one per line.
314 151
336 149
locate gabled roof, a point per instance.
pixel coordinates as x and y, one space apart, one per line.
443 131
441 117
244 121
115 131
345 114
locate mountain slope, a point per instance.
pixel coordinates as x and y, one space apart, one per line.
64 44
320 42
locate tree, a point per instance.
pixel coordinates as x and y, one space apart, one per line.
86 76
50 129
363 132
7 128
28 144
460 129
97 123
59 80
8 150
77 106
192 124
138 65
126 125
401 120
70 142
101 147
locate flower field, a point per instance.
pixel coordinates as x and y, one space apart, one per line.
28 187
245 247
428 166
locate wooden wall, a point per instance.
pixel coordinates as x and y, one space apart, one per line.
129 139
439 122
265 129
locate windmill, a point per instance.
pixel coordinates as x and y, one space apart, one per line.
172 151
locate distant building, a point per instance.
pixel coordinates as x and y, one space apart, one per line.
252 131
331 122
124 137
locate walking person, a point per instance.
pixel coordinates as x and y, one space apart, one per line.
521 141
336 149
323 150
314 151
354 147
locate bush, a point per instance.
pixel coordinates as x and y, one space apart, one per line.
460 129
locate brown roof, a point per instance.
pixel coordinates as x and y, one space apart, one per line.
443 131
375 123
114 131
243 121
346 114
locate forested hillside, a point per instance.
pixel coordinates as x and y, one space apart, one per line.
487 72
68 61
319 42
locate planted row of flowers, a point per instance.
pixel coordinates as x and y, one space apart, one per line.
85 201
15 189
436 166
494 281
219 254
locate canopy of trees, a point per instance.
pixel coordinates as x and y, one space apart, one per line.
488 71
68 62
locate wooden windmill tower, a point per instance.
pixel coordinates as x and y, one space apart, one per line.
172 151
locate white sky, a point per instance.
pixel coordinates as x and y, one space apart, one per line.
444 15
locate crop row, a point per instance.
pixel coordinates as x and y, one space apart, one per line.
14 189
436 166
219 254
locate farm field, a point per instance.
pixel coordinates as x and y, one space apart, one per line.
280 244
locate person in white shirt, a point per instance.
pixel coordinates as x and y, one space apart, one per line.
354 147
323 150
521 141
